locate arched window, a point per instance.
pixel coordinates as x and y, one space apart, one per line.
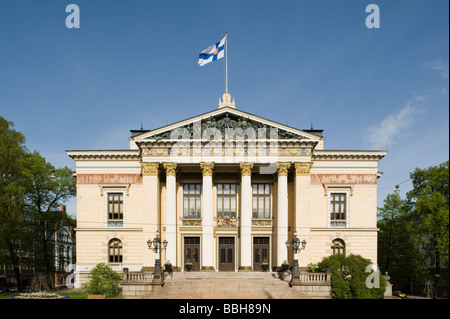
338 247
115 251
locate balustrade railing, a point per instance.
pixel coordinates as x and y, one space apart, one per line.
315 277
138 277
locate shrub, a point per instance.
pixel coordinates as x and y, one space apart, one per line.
103 281
313 267
348 277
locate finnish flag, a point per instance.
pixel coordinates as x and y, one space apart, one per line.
212 53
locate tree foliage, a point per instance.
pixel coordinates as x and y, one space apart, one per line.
30 200
349 277
103 280
399 242
415 230
13 217
430 203
47 189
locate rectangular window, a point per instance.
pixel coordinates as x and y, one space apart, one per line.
226 200
115 206
261 201
192 201
338 211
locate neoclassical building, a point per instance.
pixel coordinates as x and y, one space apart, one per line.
226 189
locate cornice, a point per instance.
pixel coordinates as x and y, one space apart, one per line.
111 155
348 155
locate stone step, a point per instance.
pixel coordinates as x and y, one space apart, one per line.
226 285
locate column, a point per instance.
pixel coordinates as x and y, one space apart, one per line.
171 212
302 208
245 222
151 207
282 212
207 218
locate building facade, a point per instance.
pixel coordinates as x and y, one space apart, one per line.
226 189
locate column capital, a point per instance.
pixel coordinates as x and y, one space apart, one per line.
283 169
150 169
246 169
303 168
171 169
207 168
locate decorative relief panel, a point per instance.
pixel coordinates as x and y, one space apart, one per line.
228 122
109 179
192 222
226 222
262 222
114 224
343 178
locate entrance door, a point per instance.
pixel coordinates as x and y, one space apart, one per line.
260 252
192 251
226 253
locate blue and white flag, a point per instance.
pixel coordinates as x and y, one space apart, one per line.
213 52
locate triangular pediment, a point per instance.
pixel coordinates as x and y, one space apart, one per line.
227 120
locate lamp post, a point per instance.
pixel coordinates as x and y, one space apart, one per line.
296 247
157 274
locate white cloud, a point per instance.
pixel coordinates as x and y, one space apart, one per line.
438 66
387 131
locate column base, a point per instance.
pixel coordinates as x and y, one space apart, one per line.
208 269
245 268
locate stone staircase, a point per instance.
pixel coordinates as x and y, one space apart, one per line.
221 285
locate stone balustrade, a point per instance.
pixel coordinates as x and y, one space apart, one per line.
315 278
137 276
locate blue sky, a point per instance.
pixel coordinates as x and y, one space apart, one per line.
295 62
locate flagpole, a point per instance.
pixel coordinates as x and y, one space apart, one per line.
226 61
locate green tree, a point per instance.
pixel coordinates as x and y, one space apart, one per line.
103 281
398 242
47 189
429 200
31 194
13 217
349 277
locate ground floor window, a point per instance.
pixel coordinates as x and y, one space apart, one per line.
115 251
338 247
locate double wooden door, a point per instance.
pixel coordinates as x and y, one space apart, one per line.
226 254
260 252
192 251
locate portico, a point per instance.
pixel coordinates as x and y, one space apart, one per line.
227 210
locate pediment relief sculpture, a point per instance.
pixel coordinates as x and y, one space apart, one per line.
230 126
